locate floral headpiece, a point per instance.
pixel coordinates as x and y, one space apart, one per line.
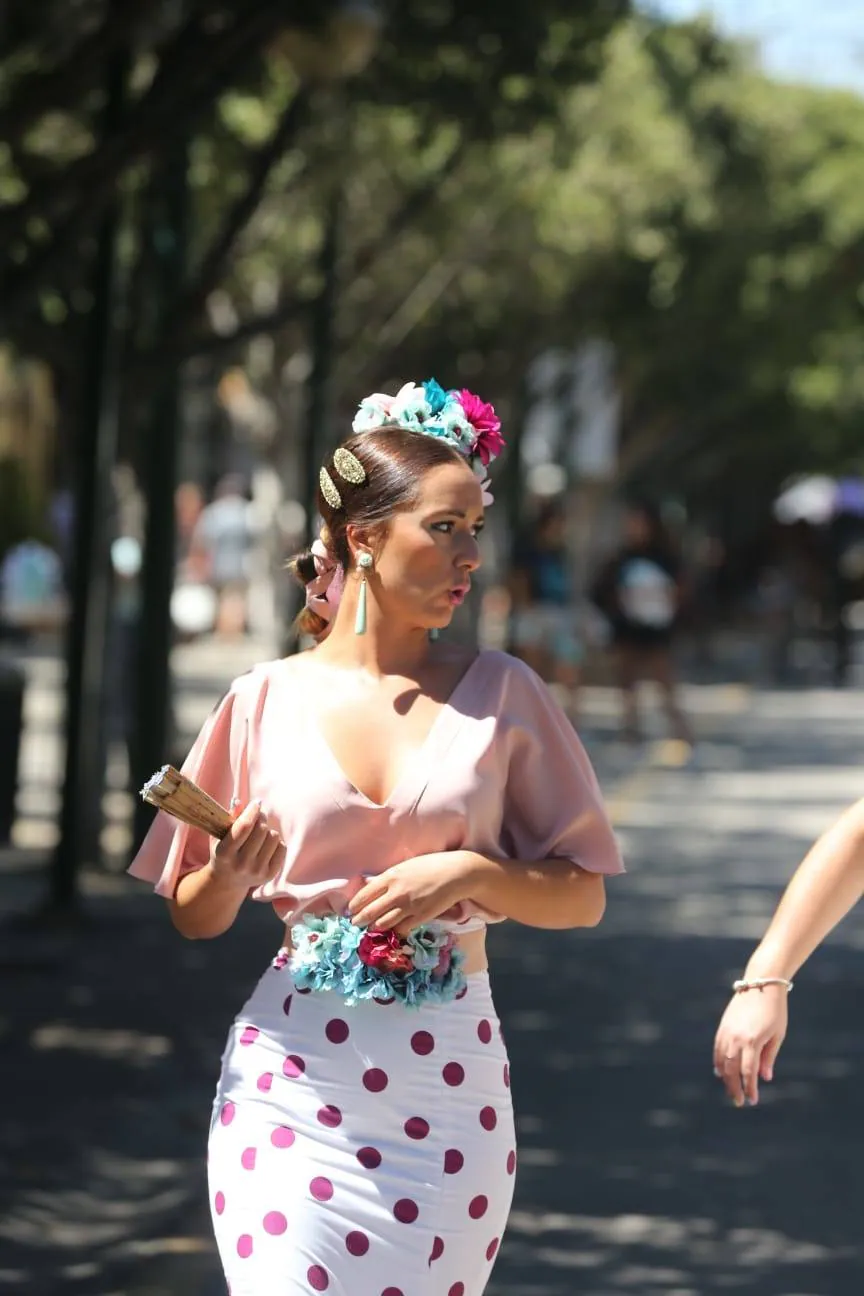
460 418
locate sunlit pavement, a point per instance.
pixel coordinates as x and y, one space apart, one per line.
635 1176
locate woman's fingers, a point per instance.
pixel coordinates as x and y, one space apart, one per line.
750 1055
730 1067
769 1057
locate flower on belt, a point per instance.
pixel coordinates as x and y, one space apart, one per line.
385 950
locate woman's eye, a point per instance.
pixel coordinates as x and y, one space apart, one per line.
444 527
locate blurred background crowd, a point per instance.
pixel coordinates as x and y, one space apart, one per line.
636 228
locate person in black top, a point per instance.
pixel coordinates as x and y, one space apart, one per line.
640 593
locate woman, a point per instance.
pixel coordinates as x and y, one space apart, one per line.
640 593
400 794
826 886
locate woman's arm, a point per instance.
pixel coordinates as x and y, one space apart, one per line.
828 883
546 893
206 902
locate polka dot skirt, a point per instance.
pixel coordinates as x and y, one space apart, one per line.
364 1151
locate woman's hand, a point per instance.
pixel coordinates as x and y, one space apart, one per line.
412 893
250 854
748 1040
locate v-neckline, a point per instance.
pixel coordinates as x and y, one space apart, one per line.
414 775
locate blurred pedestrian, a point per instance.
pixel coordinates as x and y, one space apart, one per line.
546 620
640 592
221 550
826 886
400 794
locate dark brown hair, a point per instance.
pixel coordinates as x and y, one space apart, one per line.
395 461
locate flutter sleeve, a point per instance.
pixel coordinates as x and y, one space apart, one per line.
553 806
218 763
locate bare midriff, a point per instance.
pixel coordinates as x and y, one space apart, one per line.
473 945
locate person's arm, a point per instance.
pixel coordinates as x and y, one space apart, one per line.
207 901
552 893
828 883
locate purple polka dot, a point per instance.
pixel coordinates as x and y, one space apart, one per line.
318 1278
321 1188
337 1031
219 1203
250 1034
369 1158
275 1223
437 1250
330 1116
293 1067
265 1081
301 990
392 999
511 1162
458 1289
484 1031
227 1113
406 1210
462 993
453 1073
282 1137
453 1161
488 1118
422 1042
492 1249
357 1243
247 1160
375 1080
416 1127
478 1207
392 1291
507 1074
244 1246
286 1007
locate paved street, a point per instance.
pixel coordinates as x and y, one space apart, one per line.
635 1177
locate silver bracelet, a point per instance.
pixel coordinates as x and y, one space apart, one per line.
759 983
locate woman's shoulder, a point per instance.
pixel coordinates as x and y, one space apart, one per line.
513 677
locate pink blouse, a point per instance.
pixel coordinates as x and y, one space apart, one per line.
501 773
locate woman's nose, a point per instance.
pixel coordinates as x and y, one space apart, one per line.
468 559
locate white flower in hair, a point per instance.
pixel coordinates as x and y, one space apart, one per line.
411 408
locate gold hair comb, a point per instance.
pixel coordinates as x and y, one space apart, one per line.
349 467
328 489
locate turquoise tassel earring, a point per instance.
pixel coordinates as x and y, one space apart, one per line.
433 633
364 562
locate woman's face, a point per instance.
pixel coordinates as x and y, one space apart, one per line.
423 570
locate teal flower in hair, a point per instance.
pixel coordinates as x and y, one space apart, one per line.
435 395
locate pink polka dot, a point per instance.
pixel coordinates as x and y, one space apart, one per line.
369 1158
282 1137
478 1207
247 1160
406 1210
416 1127
462 993
437 1250
293 1067
219 1203
357 1243
453 1161
484 1031
321 1188
227 1113
453 1073
392 999
507 1074
286 1007
250 1034
265 1081
275 1223
318 1278
511 1162
301 990
422 1042
330 1116
375 1080
244 1246
458 1289
337 1031
492 1249
488 1118
392 1291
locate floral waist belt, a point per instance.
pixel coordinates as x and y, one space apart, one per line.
332 953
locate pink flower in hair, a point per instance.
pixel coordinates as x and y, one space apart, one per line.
486 424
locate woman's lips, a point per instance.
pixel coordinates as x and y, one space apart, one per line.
458 596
